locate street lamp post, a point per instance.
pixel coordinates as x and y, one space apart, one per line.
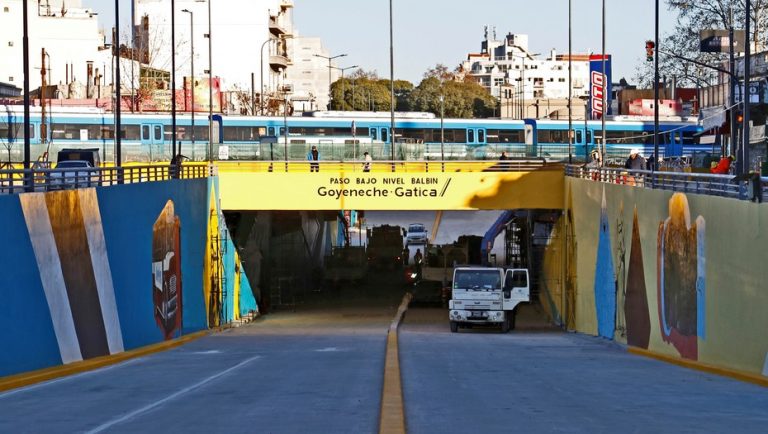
656 91
27 123
606 86
744 157
330 66
261 74
343 84
192 75
118 98
173 80
210 86
570 87
442 126
391 84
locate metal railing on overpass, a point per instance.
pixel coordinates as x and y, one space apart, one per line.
750 187
378 166
14 181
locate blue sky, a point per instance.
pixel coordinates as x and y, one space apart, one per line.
428 32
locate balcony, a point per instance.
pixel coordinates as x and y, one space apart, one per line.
278 62
276 27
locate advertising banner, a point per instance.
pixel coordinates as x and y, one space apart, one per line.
599 83
200 88
719 41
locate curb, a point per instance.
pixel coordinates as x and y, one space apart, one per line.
704 367
392 413
29 378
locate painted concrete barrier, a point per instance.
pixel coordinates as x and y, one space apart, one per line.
677 275
94 272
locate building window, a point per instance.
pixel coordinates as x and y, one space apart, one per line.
10 43
10 78
6 9
561 80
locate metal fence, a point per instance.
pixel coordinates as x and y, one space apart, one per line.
13 181
521 165
750 187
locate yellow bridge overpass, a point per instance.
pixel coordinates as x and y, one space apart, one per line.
398 185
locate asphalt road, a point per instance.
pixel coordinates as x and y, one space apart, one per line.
534 380
319 369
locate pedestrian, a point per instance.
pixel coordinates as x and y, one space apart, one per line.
406 255
313 155
724 166
503 156
367 164
651 163
417 260
635 160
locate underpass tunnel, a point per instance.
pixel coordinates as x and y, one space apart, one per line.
321 259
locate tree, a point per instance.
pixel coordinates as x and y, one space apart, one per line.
462 99
693 16
365 91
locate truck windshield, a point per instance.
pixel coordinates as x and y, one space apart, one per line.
416 228
477 279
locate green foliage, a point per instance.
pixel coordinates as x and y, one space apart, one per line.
365 91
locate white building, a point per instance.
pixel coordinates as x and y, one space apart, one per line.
69 34
248 40
508 65
309 74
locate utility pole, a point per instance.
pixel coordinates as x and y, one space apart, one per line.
192 72
27 123
732 81
744 158
656 90
606 86
43 123
118 97
173 80
570 88
210 86
391 85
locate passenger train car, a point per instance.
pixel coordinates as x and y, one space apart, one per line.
339 136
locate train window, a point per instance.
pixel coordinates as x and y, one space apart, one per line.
242 134
282 131
504 136
589 136
578 136
129 132
552 136
15 133
471 136
271 131
688 138
201 132
481 136
145 132
384 135
158 132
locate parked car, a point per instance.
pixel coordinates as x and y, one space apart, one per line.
73 174
417 234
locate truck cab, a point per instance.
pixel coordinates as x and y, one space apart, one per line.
487 295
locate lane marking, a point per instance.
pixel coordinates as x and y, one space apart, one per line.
170 397
68 378
392 413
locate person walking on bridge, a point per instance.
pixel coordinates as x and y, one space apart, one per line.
367 162
314 155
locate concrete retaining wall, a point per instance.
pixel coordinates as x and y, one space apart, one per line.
92 272
679 275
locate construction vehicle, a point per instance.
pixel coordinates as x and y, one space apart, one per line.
487 295
345 264
385 247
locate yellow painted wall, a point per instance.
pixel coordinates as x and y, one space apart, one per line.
541 189
736 269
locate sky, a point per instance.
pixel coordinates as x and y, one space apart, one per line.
428 32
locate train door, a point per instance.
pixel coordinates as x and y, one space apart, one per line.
674 144
384 134
579 149
531 139
153 139
476 136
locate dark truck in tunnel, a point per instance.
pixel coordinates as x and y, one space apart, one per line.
385 247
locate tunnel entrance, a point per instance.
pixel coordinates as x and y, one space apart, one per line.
324 259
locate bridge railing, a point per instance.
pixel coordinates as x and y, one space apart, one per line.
378 166
750 187
14 181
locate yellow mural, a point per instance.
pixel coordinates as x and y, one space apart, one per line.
694 285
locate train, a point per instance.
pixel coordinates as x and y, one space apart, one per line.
146 137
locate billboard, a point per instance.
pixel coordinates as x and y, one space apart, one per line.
599 84
718 41
201 94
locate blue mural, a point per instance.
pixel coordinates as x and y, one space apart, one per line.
605 280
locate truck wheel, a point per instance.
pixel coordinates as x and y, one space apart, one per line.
454 327
512 316
505 325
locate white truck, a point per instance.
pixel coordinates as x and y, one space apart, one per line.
487 295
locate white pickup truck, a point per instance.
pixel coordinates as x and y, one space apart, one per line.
487 295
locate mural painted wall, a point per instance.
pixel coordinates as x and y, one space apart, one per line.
676 274
92 272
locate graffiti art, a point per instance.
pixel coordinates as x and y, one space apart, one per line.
681 278
166 271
